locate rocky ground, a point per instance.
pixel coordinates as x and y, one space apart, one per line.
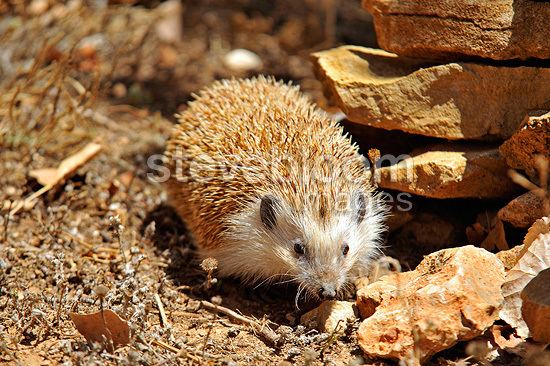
90 97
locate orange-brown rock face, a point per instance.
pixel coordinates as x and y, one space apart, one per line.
453 295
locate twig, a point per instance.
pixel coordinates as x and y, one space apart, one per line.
31 198
205 343
267 333
332 338
166 346
163 318
170 348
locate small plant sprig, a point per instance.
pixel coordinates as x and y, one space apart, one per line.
118 229
209 265
101 292
60 281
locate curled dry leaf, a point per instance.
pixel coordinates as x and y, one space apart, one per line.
503 338
496 238
98 327
536 257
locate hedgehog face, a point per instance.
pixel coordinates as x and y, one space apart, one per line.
322 252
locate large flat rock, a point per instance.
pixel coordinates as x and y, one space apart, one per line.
496 29
452 101
450 171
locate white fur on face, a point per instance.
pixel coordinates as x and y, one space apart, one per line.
258 254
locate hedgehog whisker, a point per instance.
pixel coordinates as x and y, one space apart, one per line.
347 288
286 281
271 277
301 288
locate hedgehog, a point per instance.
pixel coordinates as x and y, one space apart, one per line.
271 187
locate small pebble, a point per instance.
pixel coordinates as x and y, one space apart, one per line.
37 7
10 190
119 90
216 300
241 60
233 332
292 352
300 329
284 331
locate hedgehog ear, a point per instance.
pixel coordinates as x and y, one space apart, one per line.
360 206
267 211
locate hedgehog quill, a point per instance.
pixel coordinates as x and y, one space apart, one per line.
270 186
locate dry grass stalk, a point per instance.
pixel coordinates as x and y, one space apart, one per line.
160 306
262 329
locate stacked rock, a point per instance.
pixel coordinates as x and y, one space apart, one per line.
466 85
472 73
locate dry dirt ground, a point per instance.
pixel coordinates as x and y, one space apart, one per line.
75 73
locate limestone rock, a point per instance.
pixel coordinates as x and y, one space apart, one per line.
450 171
329 315
496 29
523 211
531 140
535 308
453 295
452 101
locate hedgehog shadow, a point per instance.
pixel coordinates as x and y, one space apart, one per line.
172 235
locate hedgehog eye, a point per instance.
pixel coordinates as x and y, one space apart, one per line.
299 247
361 207
267 211
345 249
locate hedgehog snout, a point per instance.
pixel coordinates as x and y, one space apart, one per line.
327 291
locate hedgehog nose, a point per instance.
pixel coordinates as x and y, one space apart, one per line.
327 292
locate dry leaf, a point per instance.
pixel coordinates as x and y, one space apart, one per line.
96 328
535 259
496 238
54 176
476 233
